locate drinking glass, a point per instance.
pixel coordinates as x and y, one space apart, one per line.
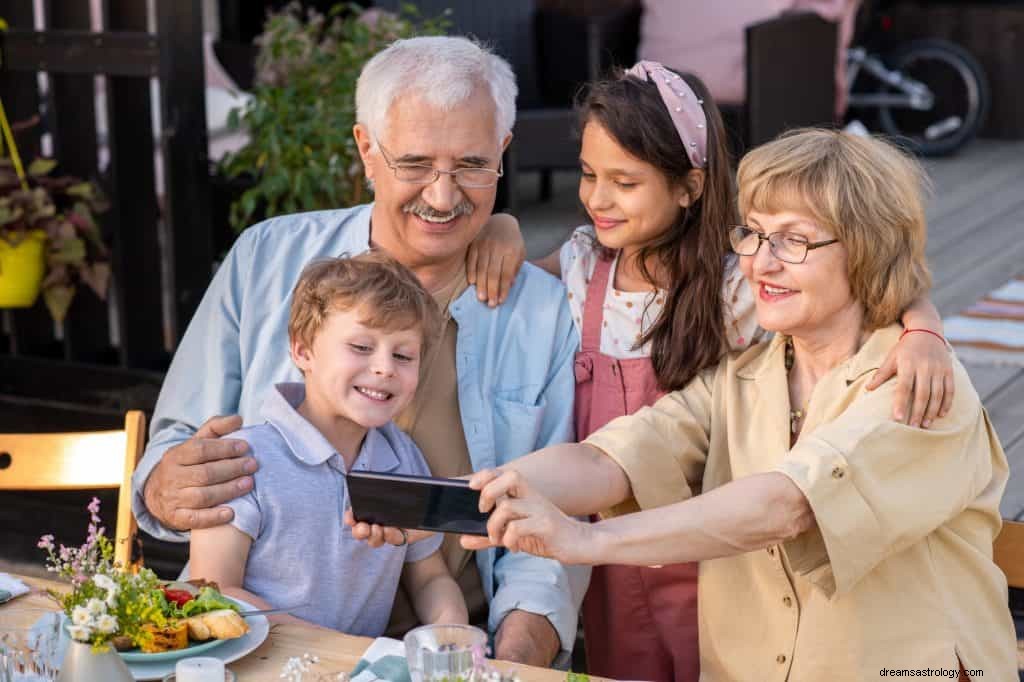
29 654
443 652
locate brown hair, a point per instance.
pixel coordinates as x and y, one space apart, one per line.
689 335
866 192
388 294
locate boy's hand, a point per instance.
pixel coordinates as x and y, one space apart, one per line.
192 479
494 258
376 536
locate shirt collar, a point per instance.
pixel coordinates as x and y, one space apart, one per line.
310 446
866 359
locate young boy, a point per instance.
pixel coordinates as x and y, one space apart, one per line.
358 330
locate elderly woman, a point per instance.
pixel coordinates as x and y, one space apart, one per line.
835 543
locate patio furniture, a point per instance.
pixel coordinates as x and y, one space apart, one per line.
77 461
1008 552
336 651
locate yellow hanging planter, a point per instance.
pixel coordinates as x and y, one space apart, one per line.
21 270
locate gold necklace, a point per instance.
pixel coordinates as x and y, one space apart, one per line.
795 416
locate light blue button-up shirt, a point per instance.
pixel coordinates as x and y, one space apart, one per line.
514 366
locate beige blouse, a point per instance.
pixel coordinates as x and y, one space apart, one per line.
898 573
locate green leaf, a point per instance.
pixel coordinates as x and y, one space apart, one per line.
85 190
97 277
70 252
58 300
41 166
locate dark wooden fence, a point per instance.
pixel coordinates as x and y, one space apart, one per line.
106 358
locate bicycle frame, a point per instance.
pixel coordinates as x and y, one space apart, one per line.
913 94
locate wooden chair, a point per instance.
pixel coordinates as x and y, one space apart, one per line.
1008 552
73 461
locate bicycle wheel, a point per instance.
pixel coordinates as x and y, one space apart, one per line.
959 86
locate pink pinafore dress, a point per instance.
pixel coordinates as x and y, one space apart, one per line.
640 623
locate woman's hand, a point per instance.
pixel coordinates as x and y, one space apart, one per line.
377 536
924 369
494 258
525 521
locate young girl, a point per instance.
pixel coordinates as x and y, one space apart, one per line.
657 297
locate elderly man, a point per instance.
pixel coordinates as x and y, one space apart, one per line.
434 115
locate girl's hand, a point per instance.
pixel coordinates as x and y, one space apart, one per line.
525 521
494 258
377 536
924 368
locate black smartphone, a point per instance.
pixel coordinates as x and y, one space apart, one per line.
445 505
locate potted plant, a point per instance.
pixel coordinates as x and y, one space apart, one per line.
49 239
301 155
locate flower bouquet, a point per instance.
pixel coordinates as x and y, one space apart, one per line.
109 605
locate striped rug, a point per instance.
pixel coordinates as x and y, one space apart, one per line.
991 331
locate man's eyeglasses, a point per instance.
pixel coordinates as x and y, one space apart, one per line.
421 174
786 246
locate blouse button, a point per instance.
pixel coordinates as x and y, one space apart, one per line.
771 551
781 658
787 600
838 473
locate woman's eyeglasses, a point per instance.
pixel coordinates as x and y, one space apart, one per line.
788 247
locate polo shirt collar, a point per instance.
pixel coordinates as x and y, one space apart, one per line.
310 446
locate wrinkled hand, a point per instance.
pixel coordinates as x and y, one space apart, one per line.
494 258
525 521
192 479
924 369
376 536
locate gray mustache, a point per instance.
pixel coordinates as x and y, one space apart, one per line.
424 210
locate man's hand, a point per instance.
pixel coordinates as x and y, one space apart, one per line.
527 638
185 488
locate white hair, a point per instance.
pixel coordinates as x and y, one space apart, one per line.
444 70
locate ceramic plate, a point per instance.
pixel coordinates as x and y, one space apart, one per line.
232 649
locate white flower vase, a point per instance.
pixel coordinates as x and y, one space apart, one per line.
82 664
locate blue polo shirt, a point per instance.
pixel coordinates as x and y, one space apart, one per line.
301 551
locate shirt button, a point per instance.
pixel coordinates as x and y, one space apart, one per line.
771 551
838 473
787 600
781 658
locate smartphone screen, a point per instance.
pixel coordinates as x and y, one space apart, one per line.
445 505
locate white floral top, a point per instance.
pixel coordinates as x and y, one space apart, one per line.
628 313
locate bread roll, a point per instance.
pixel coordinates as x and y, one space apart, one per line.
224 624
197 630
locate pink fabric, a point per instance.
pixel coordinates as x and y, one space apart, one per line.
685 108
708 39
639 623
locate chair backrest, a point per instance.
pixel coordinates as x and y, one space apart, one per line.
75 461
791 75
1008 552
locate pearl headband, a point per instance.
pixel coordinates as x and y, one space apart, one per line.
683 106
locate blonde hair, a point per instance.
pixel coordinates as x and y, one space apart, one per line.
866 192
385 291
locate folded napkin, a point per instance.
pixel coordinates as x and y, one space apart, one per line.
383 660
11 587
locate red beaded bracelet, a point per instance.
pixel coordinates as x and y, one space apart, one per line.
940 337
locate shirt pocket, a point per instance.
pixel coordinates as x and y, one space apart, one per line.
517 427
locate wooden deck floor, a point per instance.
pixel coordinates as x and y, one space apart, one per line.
975 243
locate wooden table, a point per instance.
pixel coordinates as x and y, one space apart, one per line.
335 650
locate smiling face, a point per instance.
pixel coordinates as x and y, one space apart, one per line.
428 225
356 372
810 299
629 201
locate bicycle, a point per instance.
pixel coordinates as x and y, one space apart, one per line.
930 94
